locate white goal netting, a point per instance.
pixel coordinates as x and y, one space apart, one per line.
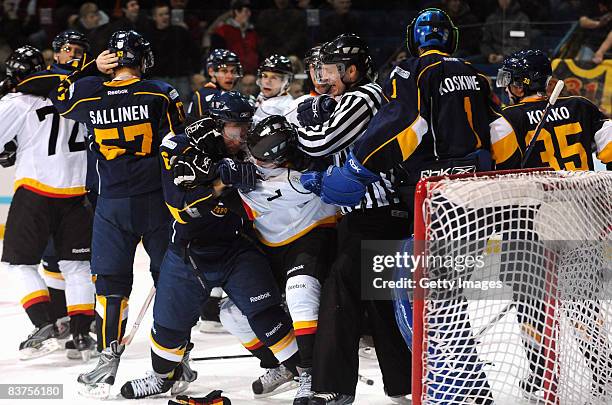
515 303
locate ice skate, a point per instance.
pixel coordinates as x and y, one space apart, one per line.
274 381
40 342
150 385
331 398
81 347
97 383
401 399
63 329
304 391
187 376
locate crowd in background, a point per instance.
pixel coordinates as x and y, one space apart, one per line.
182 31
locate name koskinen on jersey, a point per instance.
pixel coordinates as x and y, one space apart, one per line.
121 114
555 114
456 83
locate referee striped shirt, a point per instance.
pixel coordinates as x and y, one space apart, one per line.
336 136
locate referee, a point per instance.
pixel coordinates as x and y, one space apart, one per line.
330 125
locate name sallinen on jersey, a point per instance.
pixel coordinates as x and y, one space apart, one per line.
554 114
119 114
457 83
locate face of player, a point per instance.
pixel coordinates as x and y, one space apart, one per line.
331 75
515 93
319 87
69 52
271 83
234 136
225 76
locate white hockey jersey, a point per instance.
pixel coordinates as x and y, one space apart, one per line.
272 106
51 156
282 210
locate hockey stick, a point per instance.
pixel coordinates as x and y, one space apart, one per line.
493 321
551 101
128 339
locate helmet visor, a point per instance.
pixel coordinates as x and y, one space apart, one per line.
327 73
504 78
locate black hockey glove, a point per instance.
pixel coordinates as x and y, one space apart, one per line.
192 169
214 397
204 136
9 156
237 174
315 110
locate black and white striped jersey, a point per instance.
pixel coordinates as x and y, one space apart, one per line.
336 136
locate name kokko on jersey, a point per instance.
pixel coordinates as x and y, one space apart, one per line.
51 157
573 129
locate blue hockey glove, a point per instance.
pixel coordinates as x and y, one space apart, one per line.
238 174
311 181
315 110
346 185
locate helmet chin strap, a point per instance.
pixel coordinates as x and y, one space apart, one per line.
514 99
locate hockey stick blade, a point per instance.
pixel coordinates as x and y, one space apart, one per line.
551 101
128 339
233 356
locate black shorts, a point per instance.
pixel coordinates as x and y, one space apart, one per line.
34 218
311 255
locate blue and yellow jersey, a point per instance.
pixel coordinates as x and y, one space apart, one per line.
197 214
126 121
201 98
438 107
573 129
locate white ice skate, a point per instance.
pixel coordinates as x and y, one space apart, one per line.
40 342
97 383
274 381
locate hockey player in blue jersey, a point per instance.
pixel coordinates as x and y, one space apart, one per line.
126 119
224 70
202 169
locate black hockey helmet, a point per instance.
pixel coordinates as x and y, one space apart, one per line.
132 50
219 58
270 139
347 50
432 28
23 62
69 37
276 63
529 69
231 106
312 57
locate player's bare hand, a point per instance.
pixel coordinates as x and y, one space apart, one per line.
106 62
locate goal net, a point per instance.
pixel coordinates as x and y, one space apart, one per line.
513 303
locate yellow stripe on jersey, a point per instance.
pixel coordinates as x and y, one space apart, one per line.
503 140
35 294
199 102
176 212
467 106
52 274
67 191
408 139
606 154
283 343
119 83
175 355
61 77
80 101
325 221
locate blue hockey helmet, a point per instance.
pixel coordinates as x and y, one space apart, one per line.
529 69
24 61
231 106
432 28
219 58
132 50
69 37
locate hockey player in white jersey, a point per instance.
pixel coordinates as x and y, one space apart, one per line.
297 233
49 201
273 78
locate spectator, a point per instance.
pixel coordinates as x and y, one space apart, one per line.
506 31
341 20
91 24
132 18
188 17
238 35
606 45
596 24
248 85
469 30
282 30
396 58
176 54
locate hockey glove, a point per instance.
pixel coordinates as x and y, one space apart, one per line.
9 156
346 185
192 169
237 174
311 181
204 136
214 397
315 110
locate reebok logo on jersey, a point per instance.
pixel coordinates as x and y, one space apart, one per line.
354 165
114 92
81 250
274 330
260 297
448 171
296 268
293 287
